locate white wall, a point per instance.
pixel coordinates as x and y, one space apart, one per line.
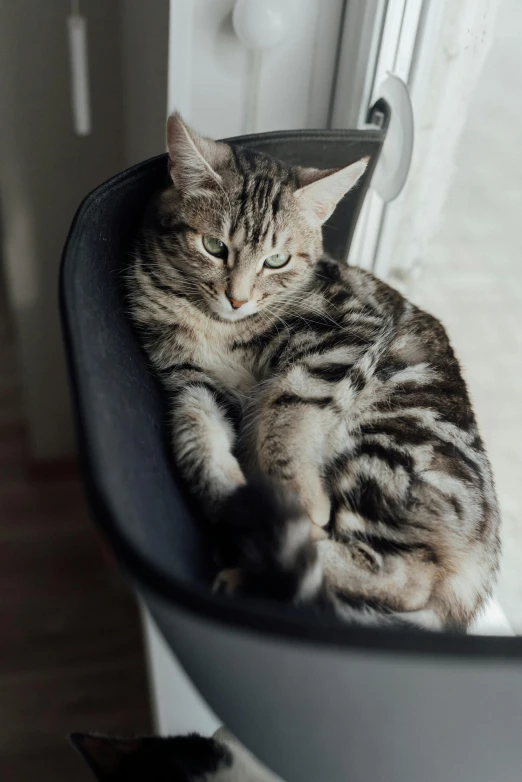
45 171
212 74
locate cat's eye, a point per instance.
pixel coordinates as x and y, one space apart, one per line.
277 260
215 246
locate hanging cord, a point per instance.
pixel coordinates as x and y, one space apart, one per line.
79 69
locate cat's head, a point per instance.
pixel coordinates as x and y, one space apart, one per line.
153 759
244 230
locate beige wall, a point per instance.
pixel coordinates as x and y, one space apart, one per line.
45 171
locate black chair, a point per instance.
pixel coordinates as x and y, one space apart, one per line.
315 700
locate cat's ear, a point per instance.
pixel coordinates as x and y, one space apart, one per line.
194 161
104 754
321 191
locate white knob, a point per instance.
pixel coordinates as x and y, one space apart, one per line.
262 24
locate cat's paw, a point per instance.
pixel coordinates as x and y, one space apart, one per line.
275 551
227 582
317 533
316 503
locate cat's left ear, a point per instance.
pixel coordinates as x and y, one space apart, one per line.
194 161
104 754
321 191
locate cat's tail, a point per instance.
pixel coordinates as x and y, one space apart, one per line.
270 535
271 554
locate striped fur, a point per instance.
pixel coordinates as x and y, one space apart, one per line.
347 397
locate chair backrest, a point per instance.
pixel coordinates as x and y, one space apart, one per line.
120 411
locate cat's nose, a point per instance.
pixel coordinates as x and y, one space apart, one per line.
236 304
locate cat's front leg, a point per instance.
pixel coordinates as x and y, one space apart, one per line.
204 422
291 444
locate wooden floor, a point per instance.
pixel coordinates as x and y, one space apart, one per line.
70 643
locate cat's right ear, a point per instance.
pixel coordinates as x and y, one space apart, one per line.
321 191
194 161
104 754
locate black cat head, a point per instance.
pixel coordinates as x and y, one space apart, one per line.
151 759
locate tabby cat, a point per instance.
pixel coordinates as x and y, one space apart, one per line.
190 758
320 418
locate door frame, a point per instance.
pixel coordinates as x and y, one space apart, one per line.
437 47
453 45
388 32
